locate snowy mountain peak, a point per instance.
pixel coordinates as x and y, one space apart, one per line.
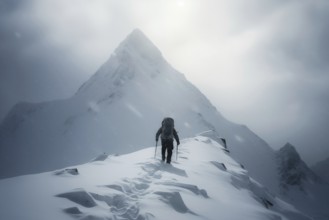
293 170
137 44
117 111
289 151
136 58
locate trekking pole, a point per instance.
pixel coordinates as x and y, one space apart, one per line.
156 145
177 153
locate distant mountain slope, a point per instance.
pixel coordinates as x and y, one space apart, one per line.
322 169
300 185
118 110
204 183
293 170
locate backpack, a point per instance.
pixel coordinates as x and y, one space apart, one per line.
167 128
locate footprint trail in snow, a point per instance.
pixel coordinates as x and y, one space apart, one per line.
204 183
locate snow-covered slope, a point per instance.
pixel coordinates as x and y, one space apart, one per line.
204 183
118 110
322 169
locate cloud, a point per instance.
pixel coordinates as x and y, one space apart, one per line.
297 35
292 52
271 71
33 67
262 63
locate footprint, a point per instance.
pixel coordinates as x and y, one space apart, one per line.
115 187
174 199
80 197
73 211
220 166
192 188
70 171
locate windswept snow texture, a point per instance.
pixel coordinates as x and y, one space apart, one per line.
137 186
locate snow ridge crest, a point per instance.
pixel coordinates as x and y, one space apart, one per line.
138 45
203 176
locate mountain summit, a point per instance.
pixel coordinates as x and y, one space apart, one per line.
300 185
118 110
294 172
136 58
138 44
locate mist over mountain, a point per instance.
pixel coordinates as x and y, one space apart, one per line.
293 170
300 185
119 109
321 169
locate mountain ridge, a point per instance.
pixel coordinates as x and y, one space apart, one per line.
119 109
131 88
293 170
204 183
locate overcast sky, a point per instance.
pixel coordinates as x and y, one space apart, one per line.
263 63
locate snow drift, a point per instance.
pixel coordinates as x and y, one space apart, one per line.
204 183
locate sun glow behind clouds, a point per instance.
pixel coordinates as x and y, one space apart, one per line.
181 3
